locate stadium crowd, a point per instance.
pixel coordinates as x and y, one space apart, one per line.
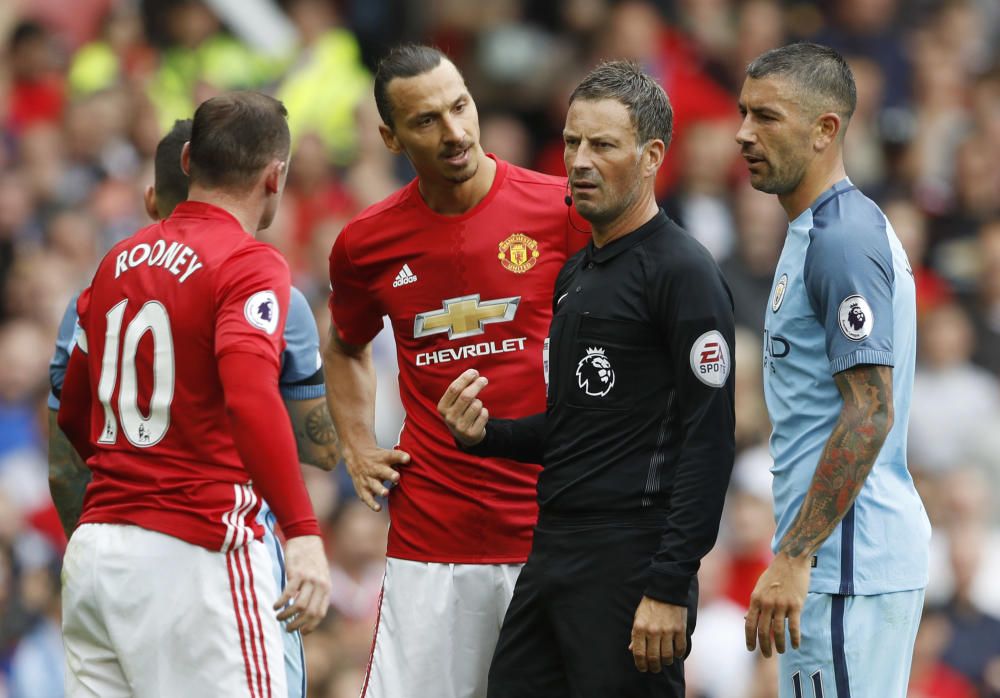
85 95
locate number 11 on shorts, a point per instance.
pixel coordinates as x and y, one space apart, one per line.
817 682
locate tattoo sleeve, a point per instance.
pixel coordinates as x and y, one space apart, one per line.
847 458
315 435
68 477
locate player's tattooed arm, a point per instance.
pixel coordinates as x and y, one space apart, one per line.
68 477
847 458
315 435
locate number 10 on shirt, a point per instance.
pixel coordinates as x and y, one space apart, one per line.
141 431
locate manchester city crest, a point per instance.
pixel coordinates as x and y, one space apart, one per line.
779 293
518 253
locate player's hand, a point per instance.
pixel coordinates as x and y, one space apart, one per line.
659 634
462 409
780 594
371 467
306 598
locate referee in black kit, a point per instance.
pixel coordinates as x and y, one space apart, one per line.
636 441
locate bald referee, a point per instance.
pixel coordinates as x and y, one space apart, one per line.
637 438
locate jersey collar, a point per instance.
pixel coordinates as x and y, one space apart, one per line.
498 180
842 187
626 242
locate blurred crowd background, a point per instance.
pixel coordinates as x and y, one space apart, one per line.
87 88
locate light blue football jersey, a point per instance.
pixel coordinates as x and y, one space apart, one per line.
843 295
300 379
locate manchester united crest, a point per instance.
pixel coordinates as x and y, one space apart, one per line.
518 253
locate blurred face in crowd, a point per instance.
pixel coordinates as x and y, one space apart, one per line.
776 136
605 164
435 124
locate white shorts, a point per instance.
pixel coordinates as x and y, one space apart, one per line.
437 628
146 614
852 647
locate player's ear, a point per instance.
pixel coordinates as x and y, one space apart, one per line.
149 199
652 157
186 158
275 176
827 129
389 138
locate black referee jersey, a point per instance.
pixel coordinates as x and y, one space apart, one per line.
639 417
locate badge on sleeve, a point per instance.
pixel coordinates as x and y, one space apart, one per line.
855 317
261 311
710 359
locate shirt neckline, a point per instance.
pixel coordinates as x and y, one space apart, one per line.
498 179
626 242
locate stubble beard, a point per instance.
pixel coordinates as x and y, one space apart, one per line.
463 177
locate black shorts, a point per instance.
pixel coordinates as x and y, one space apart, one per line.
568 627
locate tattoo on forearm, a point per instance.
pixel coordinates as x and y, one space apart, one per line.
317 438
847 458
68 479
319 426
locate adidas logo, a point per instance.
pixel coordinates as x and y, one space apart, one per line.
405 276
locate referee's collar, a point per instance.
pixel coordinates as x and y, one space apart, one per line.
627 241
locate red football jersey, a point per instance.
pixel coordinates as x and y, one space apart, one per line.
163 306
467 291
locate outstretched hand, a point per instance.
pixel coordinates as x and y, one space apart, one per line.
462 409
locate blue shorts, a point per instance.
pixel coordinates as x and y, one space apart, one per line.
295 662
852 647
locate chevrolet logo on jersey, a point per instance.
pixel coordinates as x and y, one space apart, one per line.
464 316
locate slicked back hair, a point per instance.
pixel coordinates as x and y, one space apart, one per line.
819 73
233 138
403 61
170 182
646 101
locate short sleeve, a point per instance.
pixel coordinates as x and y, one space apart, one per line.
301 375
849 279
354 308
252 292
65 340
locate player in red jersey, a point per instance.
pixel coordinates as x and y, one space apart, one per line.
462 260
172 398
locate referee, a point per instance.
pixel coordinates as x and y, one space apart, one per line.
636 440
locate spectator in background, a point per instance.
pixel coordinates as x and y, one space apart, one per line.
760 228
719 665
974 646
318 103
910 225
700 202
965 507
752 424
955 403
869 28
985 303
930 677
37 665
37 91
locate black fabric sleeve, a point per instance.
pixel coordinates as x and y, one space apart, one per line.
518 439
693 309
